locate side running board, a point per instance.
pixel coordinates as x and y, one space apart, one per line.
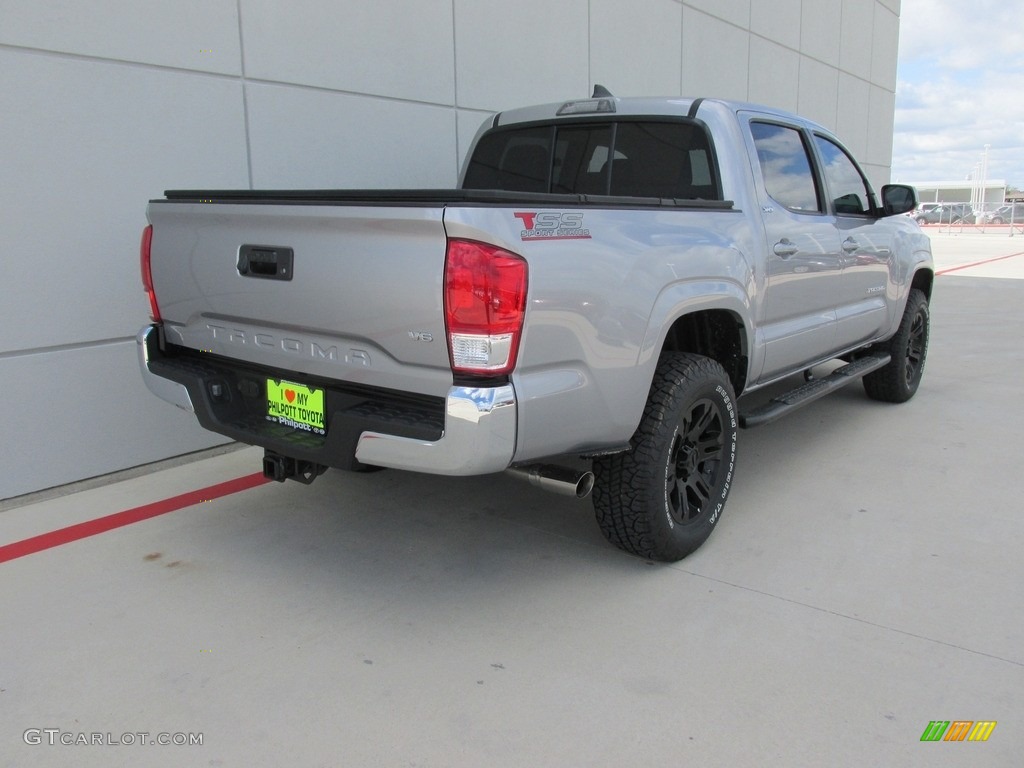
812 390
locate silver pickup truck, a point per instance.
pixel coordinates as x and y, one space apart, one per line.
609 278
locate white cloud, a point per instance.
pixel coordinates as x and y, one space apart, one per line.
961 77
979 34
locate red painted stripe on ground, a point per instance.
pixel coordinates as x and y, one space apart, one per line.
977 263
127 517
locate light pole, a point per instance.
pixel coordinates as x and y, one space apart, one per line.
984 175
975 190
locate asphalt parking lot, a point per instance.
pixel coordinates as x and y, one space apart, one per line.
867 578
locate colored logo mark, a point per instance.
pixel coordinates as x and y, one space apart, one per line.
958 730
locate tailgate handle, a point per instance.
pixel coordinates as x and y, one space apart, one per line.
270 262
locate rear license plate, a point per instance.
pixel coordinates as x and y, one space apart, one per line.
296 405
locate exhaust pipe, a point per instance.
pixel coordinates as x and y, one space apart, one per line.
562 480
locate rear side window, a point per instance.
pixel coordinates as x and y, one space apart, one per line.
517 161
786 167
662 159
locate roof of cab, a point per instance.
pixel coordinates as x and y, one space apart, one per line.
640 106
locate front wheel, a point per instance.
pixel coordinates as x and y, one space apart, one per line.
898 381
662 499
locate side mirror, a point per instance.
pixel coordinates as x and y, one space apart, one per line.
898 198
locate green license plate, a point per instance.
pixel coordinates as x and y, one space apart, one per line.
296 406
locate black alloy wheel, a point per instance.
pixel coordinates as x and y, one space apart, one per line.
695 462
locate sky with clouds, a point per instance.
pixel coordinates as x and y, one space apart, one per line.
960 87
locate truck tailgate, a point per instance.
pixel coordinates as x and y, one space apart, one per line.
348 292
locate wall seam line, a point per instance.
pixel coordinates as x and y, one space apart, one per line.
71 347
245 95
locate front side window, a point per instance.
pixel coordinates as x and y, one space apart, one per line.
847 188
786 167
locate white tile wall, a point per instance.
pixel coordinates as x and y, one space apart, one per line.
884 48
309 138
190 34
881 115
778 20
819 92
618 33
386 47
819 30
858 23
774 74
106 105
716 57
734 11
530 52
852 114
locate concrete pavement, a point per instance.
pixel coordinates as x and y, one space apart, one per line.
865 580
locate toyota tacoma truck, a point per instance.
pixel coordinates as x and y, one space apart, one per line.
610 281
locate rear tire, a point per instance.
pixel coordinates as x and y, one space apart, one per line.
663 498
898 381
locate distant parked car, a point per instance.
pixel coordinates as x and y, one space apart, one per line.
925 213
1006 214
943 213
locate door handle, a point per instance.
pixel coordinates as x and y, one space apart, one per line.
267 262
850 245
785 248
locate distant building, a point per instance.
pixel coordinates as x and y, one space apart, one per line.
960 192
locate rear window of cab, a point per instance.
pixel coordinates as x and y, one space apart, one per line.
669 159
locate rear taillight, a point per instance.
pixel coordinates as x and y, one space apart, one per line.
484 304
147 272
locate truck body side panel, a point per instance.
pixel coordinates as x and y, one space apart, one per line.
592 336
